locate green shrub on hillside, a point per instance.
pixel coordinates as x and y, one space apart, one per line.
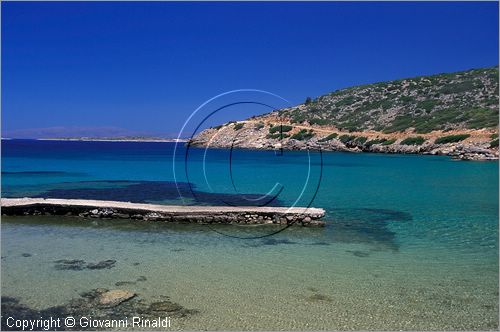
238 126
451 139
280 128
319 122
457 87
259 125
494 143
346 138
375 141
428 104
389 141
277 136
303 134
482 118
417 140
360 140
328 138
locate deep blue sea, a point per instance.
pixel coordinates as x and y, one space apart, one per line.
411 241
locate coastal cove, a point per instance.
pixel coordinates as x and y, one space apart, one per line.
250 166
410 239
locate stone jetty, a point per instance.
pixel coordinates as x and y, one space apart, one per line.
165 213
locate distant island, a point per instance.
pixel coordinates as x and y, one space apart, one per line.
114 139
453 114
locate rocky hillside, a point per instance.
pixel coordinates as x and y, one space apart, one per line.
454 114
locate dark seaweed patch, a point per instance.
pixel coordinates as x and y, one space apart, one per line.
124 283
367 226
12 308
151 191
79 264
69 264
107 264
387 215
89 302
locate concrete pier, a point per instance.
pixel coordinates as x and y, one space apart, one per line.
166 213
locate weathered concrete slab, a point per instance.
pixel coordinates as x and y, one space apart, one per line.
174 213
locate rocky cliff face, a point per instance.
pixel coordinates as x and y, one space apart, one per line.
450 114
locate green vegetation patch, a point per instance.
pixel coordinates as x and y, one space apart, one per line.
346 138
259 125
319 122
280 128
467 99
360 140
451 138
389 141
417 140
375 141
238 126
428 104
457 87
437 120
494 143
277 136
303 134
482 118
328 138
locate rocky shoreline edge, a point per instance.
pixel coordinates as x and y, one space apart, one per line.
478 145
240 215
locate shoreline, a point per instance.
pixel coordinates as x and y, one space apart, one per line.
457 151
458 155
462 145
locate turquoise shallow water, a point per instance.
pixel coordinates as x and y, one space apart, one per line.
411 242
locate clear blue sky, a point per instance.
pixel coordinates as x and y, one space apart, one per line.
146 66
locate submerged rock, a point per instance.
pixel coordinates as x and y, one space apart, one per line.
101 303
124 283
107 264
114 297
164 306
69 264
80 264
